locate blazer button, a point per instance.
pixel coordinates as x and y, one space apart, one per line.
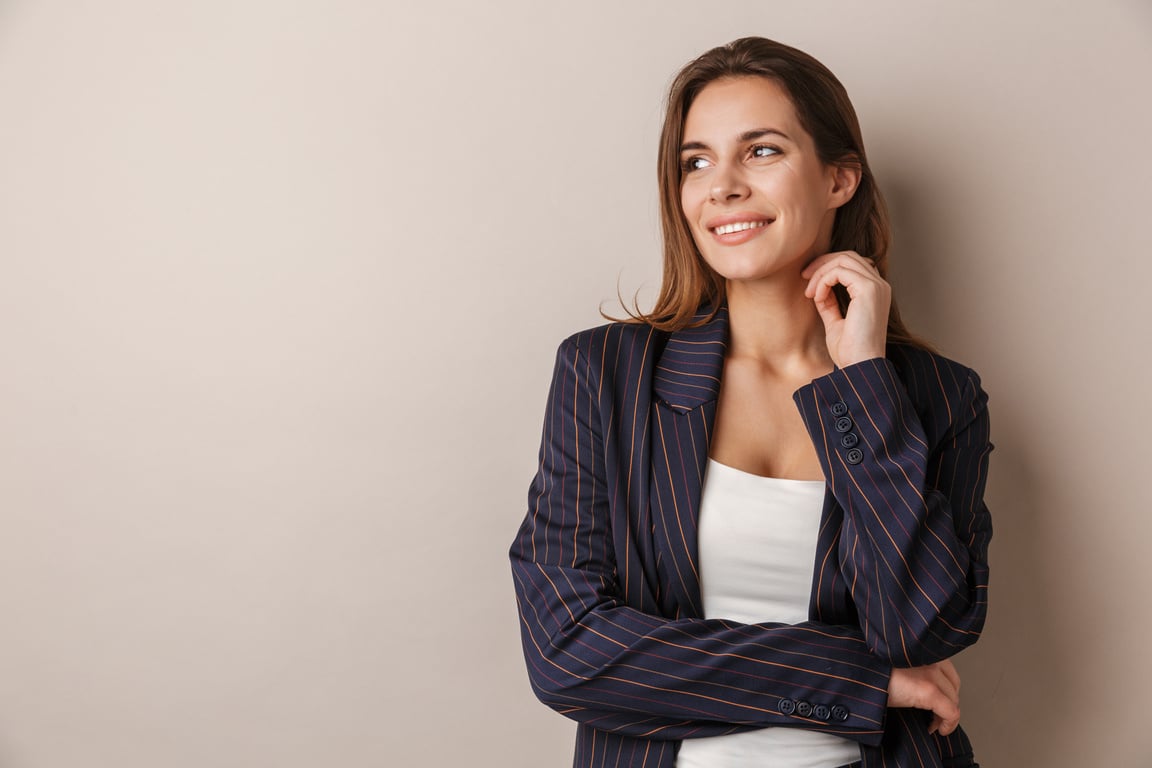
803 709
822 712
855 456
843 424
849 440
787 706
839 409
839 713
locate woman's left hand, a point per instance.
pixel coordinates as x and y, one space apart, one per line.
860 334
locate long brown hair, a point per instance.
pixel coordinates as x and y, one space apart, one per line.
824 110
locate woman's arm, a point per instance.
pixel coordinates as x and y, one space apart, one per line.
914 547
915 539
602 662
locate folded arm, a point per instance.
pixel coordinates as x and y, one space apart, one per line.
916 530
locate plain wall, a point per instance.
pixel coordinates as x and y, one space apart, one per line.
280 288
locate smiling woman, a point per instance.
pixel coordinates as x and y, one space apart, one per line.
757 533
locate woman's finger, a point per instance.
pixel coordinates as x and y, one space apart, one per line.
947 685
949 670
848 259
826 258
947 709
852 276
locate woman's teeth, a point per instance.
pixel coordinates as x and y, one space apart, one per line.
739 226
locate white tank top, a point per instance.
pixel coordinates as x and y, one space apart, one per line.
757 546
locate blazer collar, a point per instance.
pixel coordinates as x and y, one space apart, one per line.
688 370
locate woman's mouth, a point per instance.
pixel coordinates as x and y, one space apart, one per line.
739 226
738 232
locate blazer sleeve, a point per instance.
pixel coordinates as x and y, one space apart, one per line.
610 665
914 547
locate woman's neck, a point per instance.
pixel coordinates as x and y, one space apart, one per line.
772 323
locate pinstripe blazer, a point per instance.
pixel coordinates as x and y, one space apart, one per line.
605 562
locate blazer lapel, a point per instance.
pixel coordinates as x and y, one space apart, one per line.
686 386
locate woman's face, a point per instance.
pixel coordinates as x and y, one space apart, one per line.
757 199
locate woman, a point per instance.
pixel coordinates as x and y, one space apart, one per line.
757 533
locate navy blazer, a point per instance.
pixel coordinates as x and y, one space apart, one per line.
605 562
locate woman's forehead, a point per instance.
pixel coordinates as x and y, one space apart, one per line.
725 109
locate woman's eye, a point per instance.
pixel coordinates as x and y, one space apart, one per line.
763 150
693 164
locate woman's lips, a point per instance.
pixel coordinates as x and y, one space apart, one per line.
737 232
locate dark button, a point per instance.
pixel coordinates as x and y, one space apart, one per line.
843 424
839 713
855 456
822 712
787 706
803 709
839 409
849 440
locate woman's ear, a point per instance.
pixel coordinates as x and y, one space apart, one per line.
845 179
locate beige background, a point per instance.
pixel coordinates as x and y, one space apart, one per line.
280 286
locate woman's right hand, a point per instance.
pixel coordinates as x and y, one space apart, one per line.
935 687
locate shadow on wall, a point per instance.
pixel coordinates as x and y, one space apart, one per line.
1017 690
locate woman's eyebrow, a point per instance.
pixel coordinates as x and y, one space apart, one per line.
757 133
752 135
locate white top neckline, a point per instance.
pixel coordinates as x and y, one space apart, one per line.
768 479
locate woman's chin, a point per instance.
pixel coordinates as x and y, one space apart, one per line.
749 270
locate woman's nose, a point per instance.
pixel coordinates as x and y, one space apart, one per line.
728 184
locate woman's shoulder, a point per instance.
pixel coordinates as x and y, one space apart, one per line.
610 339
932 369
937 384
647 340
